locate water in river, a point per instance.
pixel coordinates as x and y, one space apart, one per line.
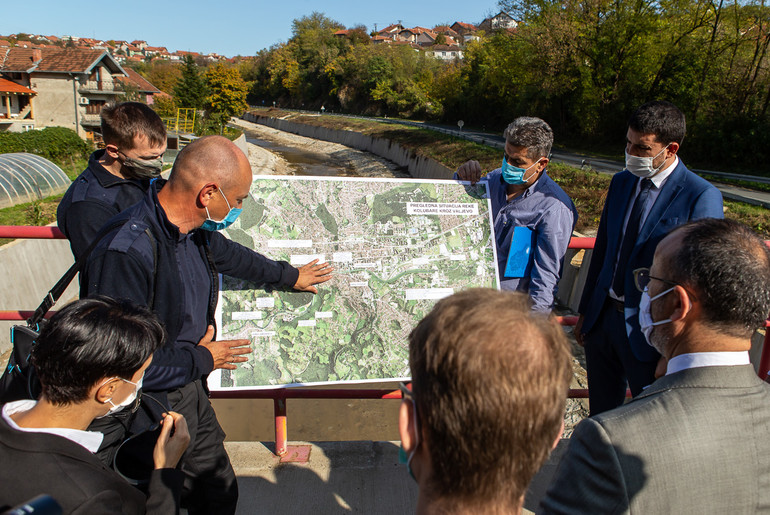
304 162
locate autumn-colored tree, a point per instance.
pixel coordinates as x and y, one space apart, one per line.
227 93
164 105
163 74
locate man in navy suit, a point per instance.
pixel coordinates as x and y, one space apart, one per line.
654 194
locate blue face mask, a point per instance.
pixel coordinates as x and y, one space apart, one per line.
515 175
213 225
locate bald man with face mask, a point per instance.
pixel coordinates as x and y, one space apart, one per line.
167 256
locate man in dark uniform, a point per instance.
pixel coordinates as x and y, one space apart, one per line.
167 255
117 176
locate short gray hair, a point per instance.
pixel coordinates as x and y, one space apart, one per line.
532 133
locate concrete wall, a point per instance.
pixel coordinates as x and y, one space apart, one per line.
30 269
55 101
420 167
240 142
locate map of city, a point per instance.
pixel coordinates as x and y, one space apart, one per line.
396 245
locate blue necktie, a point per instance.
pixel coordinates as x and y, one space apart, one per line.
629 238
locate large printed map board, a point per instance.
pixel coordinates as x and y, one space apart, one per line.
396 245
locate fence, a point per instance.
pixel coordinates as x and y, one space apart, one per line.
280 395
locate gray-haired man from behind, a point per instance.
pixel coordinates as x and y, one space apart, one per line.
533 217
696 440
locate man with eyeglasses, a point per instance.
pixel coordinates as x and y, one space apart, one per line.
696 440
90 358
486 405
117 176
167 255
654 194
533 217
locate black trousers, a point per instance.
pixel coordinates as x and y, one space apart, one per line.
611 364
210 486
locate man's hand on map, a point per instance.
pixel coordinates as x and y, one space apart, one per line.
313 273
226 353
470 171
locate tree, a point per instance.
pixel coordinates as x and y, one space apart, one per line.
164 105
130 93
190 90
227 93
163 74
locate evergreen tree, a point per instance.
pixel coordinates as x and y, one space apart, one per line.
190 90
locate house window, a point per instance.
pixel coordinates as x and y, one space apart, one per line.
27 128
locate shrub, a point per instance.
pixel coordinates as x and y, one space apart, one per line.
54 143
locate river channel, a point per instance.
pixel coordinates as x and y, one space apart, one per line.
303 162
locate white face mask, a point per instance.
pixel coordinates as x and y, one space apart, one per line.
645 318
127 401
642 166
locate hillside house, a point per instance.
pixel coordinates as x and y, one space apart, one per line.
391 31
17 112
500 21
71 85
445 52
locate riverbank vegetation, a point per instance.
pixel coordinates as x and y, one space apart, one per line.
582 66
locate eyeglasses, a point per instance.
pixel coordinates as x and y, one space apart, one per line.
642 279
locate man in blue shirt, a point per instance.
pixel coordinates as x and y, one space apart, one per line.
533 217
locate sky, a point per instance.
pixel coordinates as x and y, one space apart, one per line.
228 27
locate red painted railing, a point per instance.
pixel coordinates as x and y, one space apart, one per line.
280 395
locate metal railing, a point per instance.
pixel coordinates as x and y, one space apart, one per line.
280 394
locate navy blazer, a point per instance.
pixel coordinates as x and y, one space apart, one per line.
684 197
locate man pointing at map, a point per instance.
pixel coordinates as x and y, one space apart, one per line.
533 217
166 256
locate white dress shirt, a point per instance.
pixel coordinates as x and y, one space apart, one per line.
658 181
91 440
707 359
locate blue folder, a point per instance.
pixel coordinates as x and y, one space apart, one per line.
520 253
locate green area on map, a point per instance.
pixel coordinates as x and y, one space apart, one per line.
396 246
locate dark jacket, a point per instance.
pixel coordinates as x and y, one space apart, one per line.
42 463
124 265
684 197
92 199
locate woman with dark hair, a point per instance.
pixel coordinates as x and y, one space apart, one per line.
91 359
